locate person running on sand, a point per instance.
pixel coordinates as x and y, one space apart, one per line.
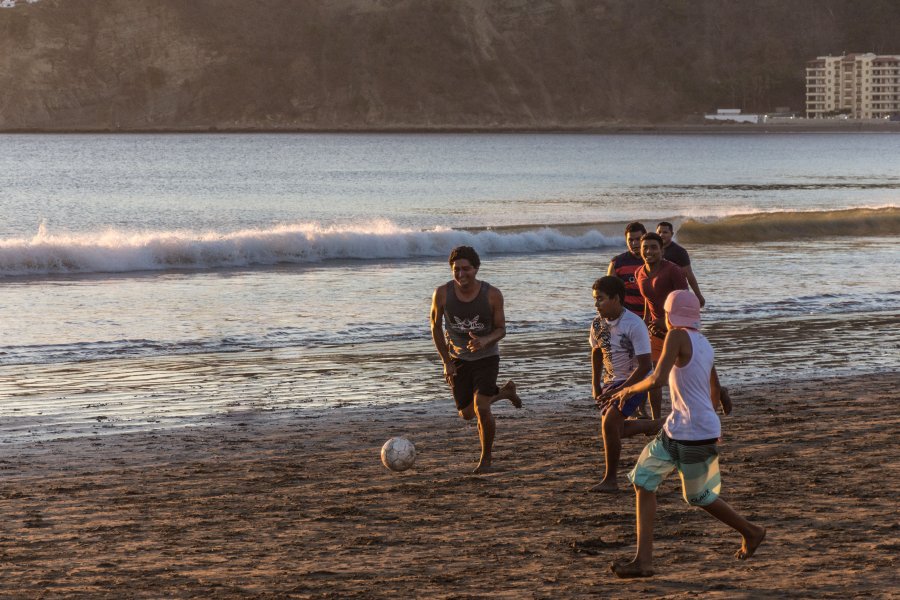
467 321
675 253
620 356
687 441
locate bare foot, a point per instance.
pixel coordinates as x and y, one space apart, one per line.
605 487
749 545
484 465
630 570
640 413
508 391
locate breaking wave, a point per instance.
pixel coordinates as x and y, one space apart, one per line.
771 226
116 251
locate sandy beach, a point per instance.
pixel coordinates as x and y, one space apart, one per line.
295 504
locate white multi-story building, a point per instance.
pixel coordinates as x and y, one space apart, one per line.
861 86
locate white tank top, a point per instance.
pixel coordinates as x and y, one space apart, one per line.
693 416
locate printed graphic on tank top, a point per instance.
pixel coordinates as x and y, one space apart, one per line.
462 318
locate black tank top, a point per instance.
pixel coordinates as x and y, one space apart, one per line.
462 317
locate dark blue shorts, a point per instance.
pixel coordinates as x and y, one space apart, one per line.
632 404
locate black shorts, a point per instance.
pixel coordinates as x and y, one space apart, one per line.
474 376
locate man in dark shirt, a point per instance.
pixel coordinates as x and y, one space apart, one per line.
624 265
467 321
672 252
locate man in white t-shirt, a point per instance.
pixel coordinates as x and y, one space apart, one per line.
620 356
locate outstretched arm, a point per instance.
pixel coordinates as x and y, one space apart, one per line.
643 367
673 345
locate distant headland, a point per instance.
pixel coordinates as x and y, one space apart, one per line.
420 65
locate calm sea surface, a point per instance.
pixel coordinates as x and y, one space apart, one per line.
122 247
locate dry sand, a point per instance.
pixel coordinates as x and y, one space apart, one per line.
295 504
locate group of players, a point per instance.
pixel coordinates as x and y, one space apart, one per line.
645 336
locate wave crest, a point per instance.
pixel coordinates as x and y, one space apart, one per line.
771 226
114 251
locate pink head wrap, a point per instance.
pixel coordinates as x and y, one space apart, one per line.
683 309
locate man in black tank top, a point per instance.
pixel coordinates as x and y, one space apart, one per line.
467 321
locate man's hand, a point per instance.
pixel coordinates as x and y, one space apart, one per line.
611 398
449 371
658 328
475 343
454 348
619 397
602 401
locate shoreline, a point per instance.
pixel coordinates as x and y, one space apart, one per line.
800 126
291 504
114 395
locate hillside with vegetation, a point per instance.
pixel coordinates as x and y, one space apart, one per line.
414 64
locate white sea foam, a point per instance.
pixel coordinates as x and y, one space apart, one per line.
12 3
114 251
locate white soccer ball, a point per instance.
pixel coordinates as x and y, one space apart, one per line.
398 454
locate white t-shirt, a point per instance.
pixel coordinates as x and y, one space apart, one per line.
621 342
693 416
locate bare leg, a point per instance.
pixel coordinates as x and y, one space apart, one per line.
508 392
614 429
486 430
656 404
642 565
468 413
753 535
611 430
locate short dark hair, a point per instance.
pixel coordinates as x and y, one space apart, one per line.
665 224
652 236
611 286
466 253
635 226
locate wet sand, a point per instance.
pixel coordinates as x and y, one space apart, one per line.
295 504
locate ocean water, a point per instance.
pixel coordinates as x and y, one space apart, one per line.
325 249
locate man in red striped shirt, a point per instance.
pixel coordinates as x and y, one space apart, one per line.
626 264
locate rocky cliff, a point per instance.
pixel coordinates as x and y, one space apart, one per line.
385 64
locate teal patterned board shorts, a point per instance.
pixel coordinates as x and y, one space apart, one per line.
698 466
